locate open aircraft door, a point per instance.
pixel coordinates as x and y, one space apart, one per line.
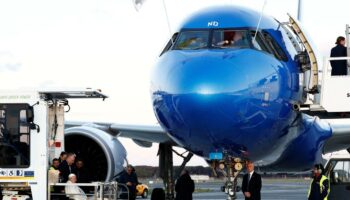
306 57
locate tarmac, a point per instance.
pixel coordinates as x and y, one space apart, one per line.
272 189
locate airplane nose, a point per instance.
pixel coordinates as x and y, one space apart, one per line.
206 76
213 72
209 75
214 98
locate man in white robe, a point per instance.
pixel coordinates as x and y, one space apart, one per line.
72 190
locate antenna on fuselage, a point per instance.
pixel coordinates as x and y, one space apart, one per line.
261 15
300 6
168 22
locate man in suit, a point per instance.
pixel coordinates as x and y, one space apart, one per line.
339 67
66 167
251 184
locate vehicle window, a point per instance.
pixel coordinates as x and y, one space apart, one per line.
230 39
14 136
2 123
191 40
341 172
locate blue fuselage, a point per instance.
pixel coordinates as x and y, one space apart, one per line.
238 100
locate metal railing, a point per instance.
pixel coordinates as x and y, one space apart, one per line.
327 66
102 191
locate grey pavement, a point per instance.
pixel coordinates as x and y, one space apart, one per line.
276 189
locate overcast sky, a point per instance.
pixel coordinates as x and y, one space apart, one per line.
107 44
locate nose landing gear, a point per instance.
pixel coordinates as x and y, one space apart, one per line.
231 168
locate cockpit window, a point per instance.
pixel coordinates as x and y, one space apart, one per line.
230 39
277 51
226 39
170 43
265 42
258 42
291 40
191 40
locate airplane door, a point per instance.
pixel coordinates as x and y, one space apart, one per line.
339 175
295 26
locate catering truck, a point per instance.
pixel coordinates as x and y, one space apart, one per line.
31 134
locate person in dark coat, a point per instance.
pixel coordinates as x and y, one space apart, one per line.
339 67
66 167
63 156
184 186
129 178
81 172
251 184
158 194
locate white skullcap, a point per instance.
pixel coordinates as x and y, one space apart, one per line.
71 175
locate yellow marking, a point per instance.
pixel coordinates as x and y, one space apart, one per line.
15 178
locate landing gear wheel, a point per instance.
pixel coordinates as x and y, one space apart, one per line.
231 168
238 166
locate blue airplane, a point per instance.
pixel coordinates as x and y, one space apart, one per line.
214 94
228 86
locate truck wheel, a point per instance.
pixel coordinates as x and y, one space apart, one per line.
145 194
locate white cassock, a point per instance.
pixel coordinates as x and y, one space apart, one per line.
74 192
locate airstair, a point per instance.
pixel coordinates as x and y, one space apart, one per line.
323 92
334 94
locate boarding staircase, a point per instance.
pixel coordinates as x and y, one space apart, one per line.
323 92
